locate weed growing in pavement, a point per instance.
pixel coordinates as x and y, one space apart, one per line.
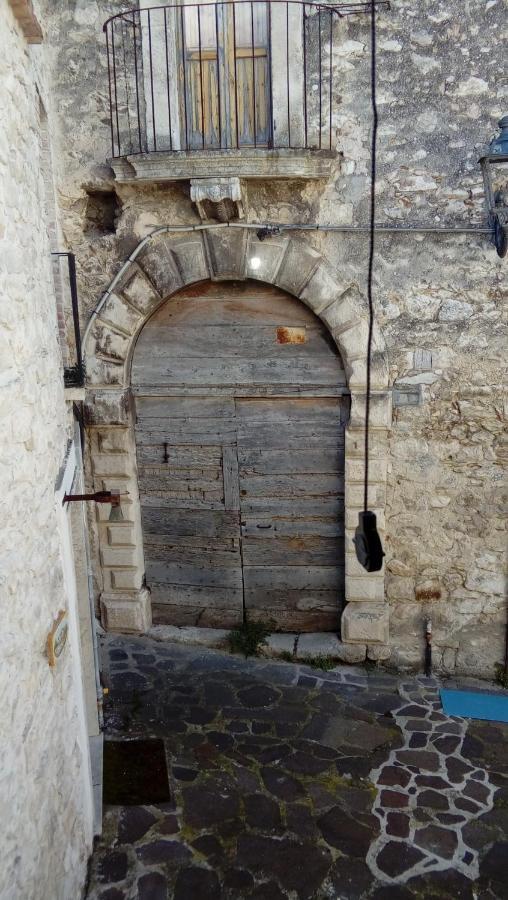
249 637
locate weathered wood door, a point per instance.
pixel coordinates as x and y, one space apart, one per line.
240 412
225 76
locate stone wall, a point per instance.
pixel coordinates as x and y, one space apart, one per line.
438 297
45 792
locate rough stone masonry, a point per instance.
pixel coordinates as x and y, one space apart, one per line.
439 298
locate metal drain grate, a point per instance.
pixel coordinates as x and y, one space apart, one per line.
135 773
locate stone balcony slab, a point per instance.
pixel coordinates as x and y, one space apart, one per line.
251 163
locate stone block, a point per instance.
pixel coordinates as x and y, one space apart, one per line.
159 264
103 372
226 252
129 614
120 534
378 652
297 266
114 440
352 653
111 408
278 644
354 568
322 288
103 510
140 293
380 410
355 469
124 579
263 258
355 445
107 342
343 312
191 261
356 371
366 622
354 495
320 644
116 464
365 587
121 315
312 646
119 556
216 638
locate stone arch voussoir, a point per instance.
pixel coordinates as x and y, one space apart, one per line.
166 263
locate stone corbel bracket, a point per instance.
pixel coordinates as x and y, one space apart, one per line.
218 198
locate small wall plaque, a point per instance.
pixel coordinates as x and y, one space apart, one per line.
407 395
57 638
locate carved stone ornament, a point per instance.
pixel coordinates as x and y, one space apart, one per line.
218 198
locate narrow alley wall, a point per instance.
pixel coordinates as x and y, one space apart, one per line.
46 830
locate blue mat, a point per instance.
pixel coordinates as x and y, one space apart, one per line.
474 705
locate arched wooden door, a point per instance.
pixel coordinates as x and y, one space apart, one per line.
241 404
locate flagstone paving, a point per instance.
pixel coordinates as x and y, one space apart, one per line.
290 783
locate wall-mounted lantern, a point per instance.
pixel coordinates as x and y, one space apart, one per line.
112 497
495 179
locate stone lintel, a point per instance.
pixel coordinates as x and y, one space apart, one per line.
365 622
127 612
214 164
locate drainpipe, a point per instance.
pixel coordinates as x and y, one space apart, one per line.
428 648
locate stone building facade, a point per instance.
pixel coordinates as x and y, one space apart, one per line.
46 791
437 463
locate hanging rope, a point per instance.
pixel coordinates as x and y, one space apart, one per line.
369 550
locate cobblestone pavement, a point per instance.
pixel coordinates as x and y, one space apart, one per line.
290 783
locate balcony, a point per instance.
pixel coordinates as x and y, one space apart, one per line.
240 88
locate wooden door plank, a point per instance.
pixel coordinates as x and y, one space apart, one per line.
244 391
167 572
292 507
148 408
290 410
289 461
210 557
321 485
245 341
289 437
292 578
277 527
292 551
205 371
230 476
212 524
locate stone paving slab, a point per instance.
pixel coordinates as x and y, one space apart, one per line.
292 783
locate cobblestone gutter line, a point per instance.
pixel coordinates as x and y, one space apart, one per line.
426 793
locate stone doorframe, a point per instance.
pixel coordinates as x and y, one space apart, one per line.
165 264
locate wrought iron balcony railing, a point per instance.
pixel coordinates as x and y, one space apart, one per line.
223 75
